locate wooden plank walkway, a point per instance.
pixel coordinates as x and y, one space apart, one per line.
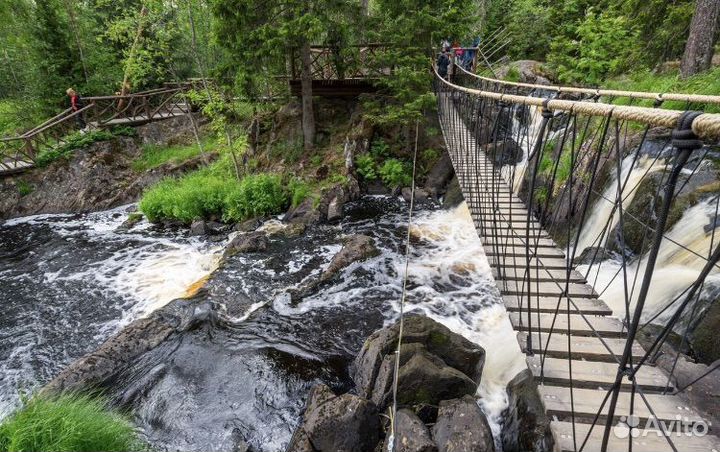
574 354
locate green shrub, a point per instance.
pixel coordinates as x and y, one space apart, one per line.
197 195
379 149
24 188
255 195
513 74
395 174
67 423
72 143
299 191
365 164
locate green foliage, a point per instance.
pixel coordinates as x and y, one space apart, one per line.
601 49
366 166
72 143
155 155
205 194
395 173
24 188
299 191
379 149
75 423
256 195
513 74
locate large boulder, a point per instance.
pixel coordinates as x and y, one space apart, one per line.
423 379
306 213
462 427
527 426
250 242
331 423
356 248
452 349
411 434
439 176
704 340
506 152
453 195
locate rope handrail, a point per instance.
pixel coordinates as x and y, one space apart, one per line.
682 97
706 125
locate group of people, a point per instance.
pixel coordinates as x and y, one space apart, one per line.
463 55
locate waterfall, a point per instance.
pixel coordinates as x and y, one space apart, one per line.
602 210
675 270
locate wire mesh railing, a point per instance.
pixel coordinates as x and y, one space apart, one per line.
630 195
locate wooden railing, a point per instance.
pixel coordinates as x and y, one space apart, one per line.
21 151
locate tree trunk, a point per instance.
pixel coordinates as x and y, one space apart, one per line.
73 23
365 8
308 115
700 44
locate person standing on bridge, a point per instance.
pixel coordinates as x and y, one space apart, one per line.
76 104
442 64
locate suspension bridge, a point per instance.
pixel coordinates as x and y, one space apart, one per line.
507 141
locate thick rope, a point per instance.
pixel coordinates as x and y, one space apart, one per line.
706 125
693 98
391 442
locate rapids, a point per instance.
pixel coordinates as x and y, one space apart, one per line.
243 374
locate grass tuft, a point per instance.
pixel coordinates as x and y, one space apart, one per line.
154 156
67 423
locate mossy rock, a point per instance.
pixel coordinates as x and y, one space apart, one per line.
705 340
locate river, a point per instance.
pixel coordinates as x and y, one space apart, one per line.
71 281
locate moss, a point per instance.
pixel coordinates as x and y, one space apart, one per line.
437 338
705 341
24 188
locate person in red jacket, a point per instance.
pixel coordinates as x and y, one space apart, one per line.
76 103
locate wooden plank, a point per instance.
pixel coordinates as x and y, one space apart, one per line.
588 306
545 289
580 325
645 441
587 403
517 262
593 374
519 241
506 250
539 274
582 347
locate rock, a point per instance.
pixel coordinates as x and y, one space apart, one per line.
132 220
248 225
421 196
454 350
593 254
345 423
170 131
335 209
250 242
462 427
424 379
355 249
453 195
528 71
704 339
306 212
198 227
376 187
411 434
527 426
439 176
506 152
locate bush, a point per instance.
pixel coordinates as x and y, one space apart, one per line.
67 423
395 174
197 195
299 191
366 167
72 143
255 195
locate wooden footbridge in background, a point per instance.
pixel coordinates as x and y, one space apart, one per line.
574 345
19 153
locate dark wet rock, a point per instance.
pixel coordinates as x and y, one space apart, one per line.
199 227
411 434
335 209
249 242
171 131
376 187
704 339
506 152
306 212
332 202
248 225
453 349
439 176
592 255
421 196
453 195
353 188
331 423
527 426
97 368
132 219
356 248
423 379
462 427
